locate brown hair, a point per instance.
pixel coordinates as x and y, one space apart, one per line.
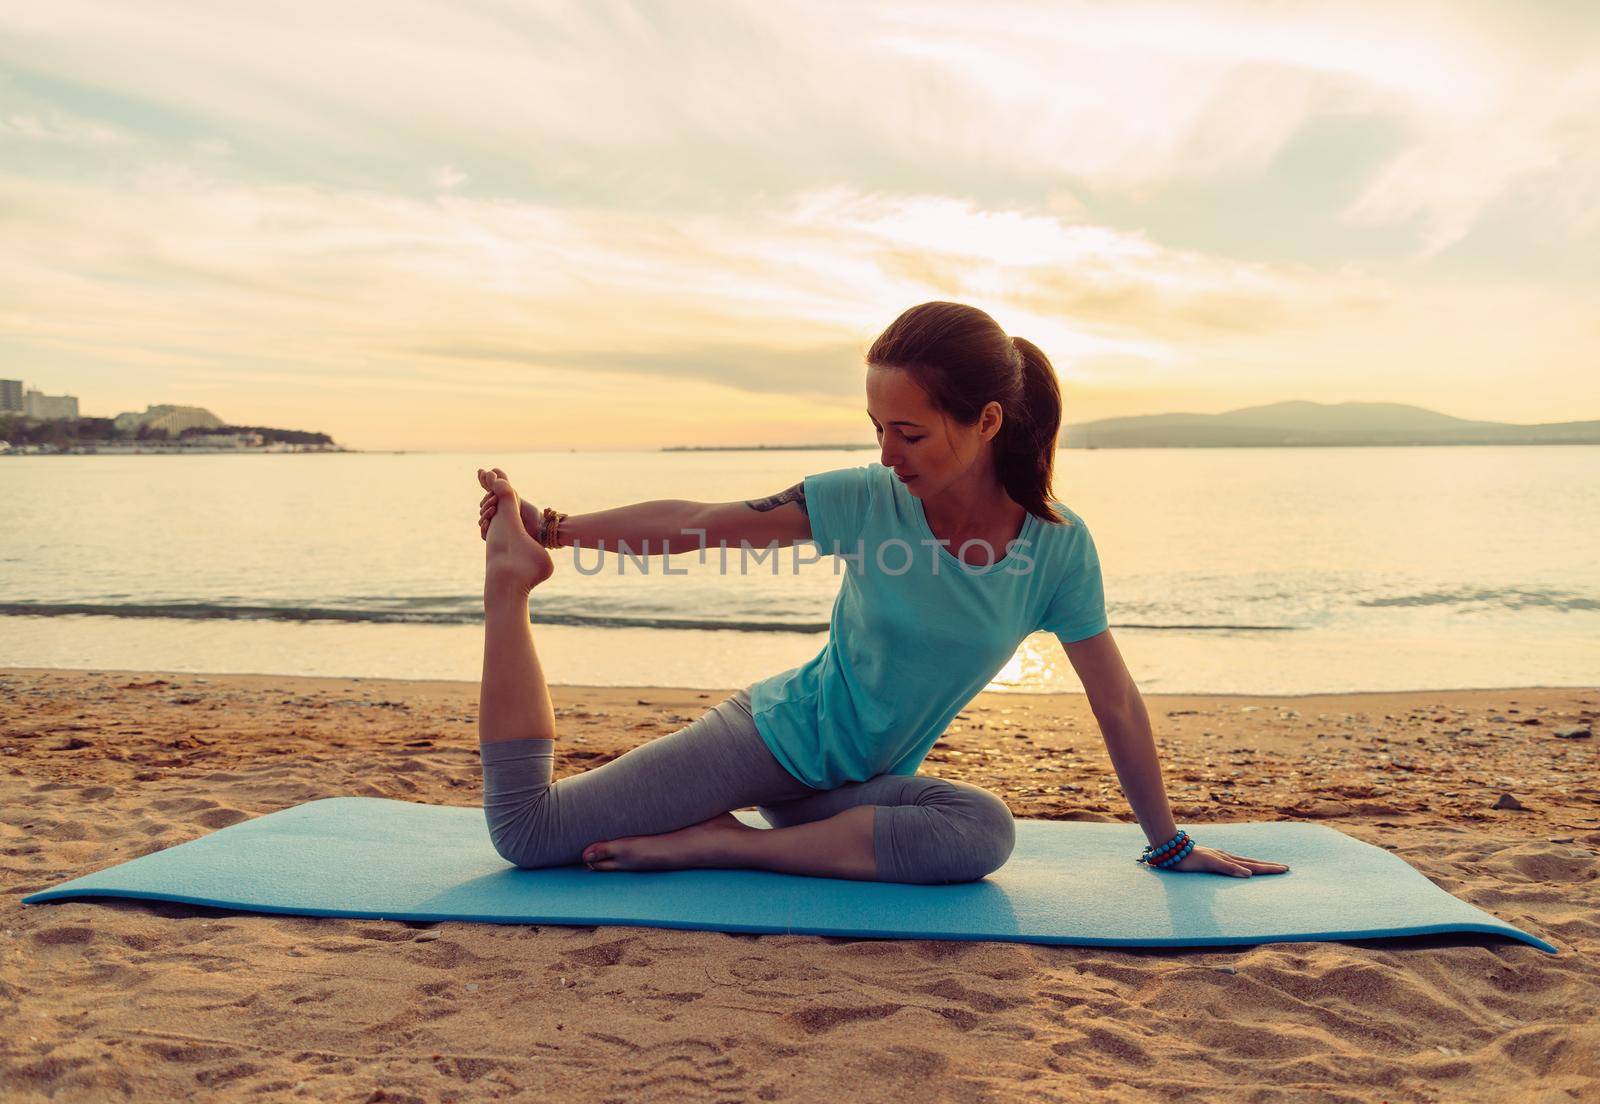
963 359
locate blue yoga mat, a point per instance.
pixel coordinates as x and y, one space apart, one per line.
1066 882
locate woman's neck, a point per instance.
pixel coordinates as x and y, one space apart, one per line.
973 507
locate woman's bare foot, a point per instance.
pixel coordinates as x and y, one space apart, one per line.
514 560
705 844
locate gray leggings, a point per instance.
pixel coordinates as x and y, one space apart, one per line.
926 830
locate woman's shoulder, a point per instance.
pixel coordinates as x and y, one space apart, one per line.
1068 538
852 489
1072 520
865 480
863 473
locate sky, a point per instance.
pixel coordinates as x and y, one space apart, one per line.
480 225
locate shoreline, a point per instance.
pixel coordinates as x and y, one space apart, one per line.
1477 790
600 688
179 452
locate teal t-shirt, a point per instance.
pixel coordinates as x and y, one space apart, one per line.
915 632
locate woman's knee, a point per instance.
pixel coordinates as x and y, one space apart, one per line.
509 835
522 837
955 832
520 803
991 835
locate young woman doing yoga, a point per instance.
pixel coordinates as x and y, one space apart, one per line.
967 419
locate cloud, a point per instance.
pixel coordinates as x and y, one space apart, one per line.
827 370
1539 137
784 301
721 106
59 127
447 178
597 197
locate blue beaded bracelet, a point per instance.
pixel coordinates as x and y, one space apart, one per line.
1169 854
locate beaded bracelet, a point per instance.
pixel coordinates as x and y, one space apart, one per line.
550 527
1169 854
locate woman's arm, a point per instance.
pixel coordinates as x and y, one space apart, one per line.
647 528
1125 724
679 525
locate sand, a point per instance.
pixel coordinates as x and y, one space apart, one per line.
1492 794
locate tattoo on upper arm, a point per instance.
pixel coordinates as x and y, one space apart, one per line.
795 494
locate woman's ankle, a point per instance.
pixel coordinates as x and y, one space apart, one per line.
505 589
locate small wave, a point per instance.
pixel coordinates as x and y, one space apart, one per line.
1206 628
1502 598
212 612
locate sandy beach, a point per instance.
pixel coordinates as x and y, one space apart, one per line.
1492 794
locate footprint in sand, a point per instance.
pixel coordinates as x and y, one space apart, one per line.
692 1067
64 935
221 818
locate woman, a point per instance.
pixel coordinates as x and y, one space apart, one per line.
967 419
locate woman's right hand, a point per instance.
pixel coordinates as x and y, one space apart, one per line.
486 511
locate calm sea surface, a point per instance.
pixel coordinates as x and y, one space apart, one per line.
1226 570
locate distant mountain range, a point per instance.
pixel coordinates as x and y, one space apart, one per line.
1278 425
1291 424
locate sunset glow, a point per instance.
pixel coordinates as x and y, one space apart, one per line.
615 226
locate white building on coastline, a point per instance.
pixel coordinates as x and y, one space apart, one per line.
173 419
36 404
17 399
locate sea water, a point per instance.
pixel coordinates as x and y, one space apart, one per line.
1268 571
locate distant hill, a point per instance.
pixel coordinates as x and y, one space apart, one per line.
1289 424
763 448
1280 425
164 432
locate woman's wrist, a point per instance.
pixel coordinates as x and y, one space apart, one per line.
550 534
1170 853
1158 832
531 520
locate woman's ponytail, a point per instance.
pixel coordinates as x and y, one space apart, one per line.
1025 447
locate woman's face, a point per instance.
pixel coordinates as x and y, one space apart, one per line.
926 449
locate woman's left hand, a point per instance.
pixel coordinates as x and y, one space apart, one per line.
1213 861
